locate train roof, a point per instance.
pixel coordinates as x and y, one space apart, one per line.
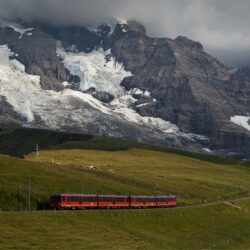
134 196
153 196
90 195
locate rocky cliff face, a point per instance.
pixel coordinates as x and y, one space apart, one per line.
167 82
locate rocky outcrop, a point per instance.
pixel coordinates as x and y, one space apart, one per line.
177 82
238 87
190 88
8 116
8 35
36 50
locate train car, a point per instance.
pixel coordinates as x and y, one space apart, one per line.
152 201
112 201
142 201
73 201
77 201
166 201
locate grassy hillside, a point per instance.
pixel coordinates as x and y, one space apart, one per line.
22 141
47 179
136 169
159 172
213 227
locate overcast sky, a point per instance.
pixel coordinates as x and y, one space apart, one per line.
222 26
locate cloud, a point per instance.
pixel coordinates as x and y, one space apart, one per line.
221 26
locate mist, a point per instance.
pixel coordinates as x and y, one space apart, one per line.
221 26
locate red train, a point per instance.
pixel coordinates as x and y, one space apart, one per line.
77 201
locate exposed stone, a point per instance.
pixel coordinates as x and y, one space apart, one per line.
8 35
103 97
38 54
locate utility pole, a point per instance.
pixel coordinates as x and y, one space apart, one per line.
197 191
82 188
37 150
29 195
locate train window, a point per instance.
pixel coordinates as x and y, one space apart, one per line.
120 199
86 199
107 199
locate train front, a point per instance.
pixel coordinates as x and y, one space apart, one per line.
55 201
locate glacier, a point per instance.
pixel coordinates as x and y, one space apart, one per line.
78 111
242 121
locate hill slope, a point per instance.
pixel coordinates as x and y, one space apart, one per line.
128 171
214 227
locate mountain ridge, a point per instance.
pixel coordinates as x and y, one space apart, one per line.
163 85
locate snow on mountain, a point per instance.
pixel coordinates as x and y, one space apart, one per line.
18 28
24 93
97 69
72 108
242 121
14 82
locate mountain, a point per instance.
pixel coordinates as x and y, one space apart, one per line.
114 80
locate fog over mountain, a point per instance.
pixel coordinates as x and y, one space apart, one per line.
221 26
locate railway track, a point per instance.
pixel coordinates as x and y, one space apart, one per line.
226 202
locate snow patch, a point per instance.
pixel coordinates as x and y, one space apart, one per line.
15 84
122 105
66 108
207 150
18 28
242 121
97 69
136 91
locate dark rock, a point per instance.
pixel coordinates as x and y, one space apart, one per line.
238 87
8 35
100 95
90 91
8 116
38 54
185 42
136 26
74 38
103 97
190 86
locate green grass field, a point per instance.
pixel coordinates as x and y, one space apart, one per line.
158 173
212 227
137 170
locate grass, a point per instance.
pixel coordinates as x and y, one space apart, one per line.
47 179
212 227
136 169
159 173
22 141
